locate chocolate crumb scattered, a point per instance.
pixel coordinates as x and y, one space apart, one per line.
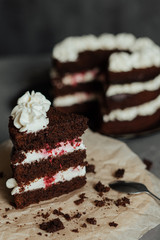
81 199
1 174
66 216
8 222
75 230
90 168
108 199
77 215
7 209
45 215
52 226
4 216
148 163
91 221
99 203
119 173
82 195
122 202
59 213
113 224
39 233
99 187
84 225
100 194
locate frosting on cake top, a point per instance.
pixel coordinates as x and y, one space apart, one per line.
69 48
122 61
30 113
145 53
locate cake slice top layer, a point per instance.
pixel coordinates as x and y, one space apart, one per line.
61 127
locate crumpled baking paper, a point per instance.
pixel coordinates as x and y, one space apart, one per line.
107 155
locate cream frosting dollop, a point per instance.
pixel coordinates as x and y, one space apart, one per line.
11 183
30 113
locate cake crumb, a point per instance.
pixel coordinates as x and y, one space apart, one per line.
99 187
108 199
84 225
45 215
39 233
59 213
66 215
91 221
90 168
113 224
7 209
119 173
148 163
122 202
75 230
99 203
100 194
77 215
52 226
81 199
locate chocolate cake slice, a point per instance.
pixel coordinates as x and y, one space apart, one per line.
48 153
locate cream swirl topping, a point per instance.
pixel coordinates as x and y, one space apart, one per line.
30 113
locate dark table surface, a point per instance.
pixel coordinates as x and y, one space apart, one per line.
19 74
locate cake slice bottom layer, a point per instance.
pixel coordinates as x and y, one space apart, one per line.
26 198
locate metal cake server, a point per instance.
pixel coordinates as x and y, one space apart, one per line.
131 188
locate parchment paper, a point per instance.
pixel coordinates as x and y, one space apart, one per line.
107 155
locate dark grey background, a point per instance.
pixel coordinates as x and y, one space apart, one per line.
34 26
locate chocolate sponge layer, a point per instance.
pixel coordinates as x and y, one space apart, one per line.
24 173
61 127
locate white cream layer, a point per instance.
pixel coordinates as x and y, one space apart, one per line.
38 183
131 113
77 98
134 88
84 77
76 78
63 148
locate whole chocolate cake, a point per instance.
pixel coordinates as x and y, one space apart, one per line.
115 78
